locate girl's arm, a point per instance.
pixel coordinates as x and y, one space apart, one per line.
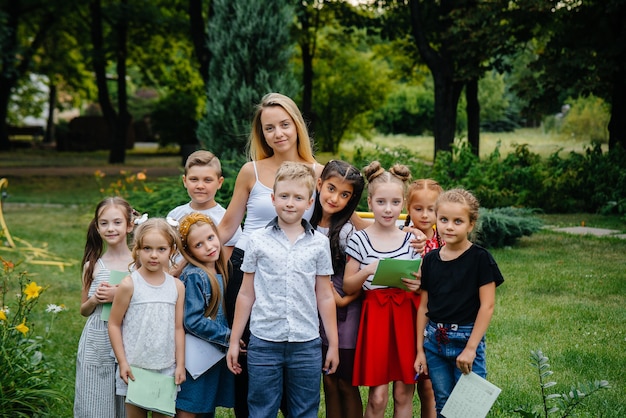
194 320
420 360
237 206
118 310
343 301
328 313
487 294
358 222
354 276
243 307
179 334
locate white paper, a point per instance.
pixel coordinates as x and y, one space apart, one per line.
472 397
200 355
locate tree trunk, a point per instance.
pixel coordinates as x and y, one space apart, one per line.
118 147
617 124
473 115
447 93
5 95
52 103
199 37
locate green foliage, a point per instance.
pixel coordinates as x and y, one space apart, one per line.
587 119
249 61
26 381
502 227
408 109
174 119
497 105
349 82
562 404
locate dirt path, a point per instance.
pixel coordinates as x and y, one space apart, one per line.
81 171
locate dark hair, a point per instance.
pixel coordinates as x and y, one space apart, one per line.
350 174
94 246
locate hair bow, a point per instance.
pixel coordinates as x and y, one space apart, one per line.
173 222
141 220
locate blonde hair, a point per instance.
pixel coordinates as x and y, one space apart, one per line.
205 159
463 197
376 174
299 172
221 265
257 146
155 225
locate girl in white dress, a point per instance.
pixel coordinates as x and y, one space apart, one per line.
95 365
146 322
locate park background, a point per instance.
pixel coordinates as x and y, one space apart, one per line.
522 102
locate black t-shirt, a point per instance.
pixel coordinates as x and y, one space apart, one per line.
453 285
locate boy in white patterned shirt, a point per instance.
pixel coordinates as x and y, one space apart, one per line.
286 285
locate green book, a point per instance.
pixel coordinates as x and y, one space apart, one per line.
390 272
152 391
115 278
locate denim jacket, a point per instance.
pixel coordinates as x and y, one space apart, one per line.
197 297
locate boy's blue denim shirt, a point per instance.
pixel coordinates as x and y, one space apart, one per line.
197 297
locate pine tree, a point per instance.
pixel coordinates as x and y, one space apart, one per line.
251 48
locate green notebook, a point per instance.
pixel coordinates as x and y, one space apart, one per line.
390 272
152 391
115 278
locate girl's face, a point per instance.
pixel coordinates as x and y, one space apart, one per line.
386 203
422 210
453 223
155 251
279 129
112 225
203 244
334 194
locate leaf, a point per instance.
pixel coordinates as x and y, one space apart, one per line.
553 396
548 385
546 374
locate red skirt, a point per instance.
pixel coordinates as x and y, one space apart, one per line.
386 343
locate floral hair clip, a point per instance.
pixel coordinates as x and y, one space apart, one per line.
172 222
189 220
142 219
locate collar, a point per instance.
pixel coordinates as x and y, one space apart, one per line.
305 224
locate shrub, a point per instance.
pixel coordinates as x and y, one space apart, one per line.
26 378
501 227
587 119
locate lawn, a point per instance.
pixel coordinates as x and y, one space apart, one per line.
563 294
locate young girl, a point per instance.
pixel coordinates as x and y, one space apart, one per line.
457 300
106 250
339 190
205 277
421 198
146 322
385 350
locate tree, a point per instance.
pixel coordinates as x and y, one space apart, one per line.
253 42
24 27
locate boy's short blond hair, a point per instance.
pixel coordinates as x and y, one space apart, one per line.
296 171
203 158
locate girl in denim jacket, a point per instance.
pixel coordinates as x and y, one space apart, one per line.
205 278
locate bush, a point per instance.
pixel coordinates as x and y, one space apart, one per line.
502 227
587 119
409 110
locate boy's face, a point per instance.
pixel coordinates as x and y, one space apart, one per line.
202 182
291 198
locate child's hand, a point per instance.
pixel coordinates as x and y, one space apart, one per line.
465 360
105 292
413 285
232 358
371 268
126 373
332 361
420 365
179 374
419 242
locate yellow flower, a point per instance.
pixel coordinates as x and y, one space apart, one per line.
32 291
22 327
3 316
141 176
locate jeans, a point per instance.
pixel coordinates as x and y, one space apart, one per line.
442 349
294 366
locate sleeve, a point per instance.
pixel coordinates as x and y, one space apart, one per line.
324 261
197 295
250 256
489 270
353 249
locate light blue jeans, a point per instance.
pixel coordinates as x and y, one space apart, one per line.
299 364
441 349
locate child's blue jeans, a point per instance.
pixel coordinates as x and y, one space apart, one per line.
442 345
299 364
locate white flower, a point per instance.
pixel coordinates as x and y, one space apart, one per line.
54 308
6 310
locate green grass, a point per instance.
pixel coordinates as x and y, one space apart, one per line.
564 294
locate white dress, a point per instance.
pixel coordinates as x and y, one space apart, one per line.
94 394
148 327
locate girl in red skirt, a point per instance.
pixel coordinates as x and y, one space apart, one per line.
386 345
